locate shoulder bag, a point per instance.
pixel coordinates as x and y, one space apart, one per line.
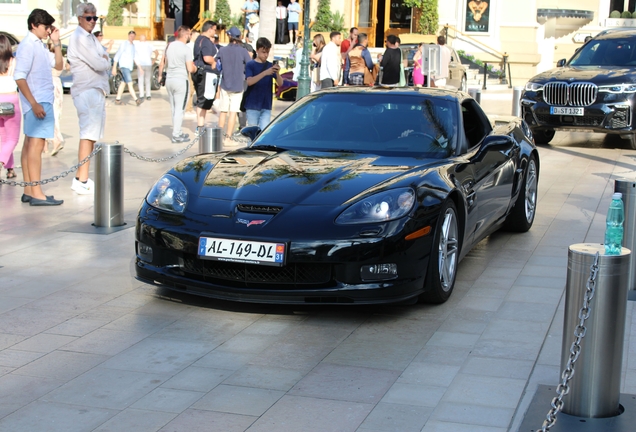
7 109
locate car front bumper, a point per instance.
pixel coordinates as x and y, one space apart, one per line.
323 271
614 117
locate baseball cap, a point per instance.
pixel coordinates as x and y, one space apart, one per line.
234 32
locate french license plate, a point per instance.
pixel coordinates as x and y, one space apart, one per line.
566 111
242 251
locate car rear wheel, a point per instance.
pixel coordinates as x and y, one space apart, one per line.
444 257
463 86
543 136
522 215
155 82
117 79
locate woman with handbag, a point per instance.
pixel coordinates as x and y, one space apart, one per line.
10 116
316 54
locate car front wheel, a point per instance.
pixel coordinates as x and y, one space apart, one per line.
543 136
444 257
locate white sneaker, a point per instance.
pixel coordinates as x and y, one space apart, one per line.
83 188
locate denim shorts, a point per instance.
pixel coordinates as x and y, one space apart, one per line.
292 26
125 72
39 128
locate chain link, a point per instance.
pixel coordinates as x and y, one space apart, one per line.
179 153
575 350
55 177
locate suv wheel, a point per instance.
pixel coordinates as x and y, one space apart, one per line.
632 141
543 136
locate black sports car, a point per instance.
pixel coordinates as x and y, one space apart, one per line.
593 91
351 195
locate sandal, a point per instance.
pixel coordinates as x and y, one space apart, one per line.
11 173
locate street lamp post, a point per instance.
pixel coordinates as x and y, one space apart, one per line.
303 78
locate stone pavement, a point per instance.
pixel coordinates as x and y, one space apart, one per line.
86 347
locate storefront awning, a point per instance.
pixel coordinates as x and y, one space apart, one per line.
560 22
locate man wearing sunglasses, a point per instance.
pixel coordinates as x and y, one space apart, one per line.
33 77
89 66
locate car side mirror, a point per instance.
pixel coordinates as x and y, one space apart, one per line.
561 63
497 143
251 132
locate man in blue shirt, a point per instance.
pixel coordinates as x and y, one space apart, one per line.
233 58
259 74
250 8
293 10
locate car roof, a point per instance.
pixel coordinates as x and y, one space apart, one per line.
616 33
394 90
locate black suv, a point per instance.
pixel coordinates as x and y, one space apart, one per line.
594 91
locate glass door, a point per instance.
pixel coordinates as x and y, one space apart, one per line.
367 19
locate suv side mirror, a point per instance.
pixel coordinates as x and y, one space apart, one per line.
561 63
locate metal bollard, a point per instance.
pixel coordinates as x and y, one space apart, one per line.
595 386
211 140
516 101
628 189
109 185
475 93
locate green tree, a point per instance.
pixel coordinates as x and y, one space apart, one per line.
115 15
222 13
324 19
429 16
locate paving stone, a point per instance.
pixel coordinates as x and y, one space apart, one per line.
394 417
167 400
136 420
295 413
55 417
247 401
106 388
61 365
347 383
194 420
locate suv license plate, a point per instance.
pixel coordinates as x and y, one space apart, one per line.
566 111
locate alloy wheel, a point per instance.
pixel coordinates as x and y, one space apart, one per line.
448 250
531 190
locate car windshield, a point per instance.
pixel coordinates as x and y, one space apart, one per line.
371 122
607 52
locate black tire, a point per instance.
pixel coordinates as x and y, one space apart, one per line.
463 86
155 81
444 258
543 136
522 215
115 81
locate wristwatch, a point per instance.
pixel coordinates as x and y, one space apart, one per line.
56 44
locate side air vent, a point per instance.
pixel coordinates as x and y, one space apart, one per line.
252 208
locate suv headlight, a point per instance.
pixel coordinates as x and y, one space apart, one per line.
379 207
618 88
169 193
533 86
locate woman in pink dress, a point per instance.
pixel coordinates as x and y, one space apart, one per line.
9 124
418 77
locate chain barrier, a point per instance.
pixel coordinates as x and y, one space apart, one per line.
90 156
579 332
55 177
167 158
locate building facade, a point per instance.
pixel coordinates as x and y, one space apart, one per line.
534 34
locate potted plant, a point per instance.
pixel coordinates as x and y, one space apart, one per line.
428 21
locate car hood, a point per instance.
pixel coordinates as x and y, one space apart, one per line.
297 177
599 75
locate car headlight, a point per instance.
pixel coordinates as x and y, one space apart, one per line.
618 88
379 207
533 86
169 193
